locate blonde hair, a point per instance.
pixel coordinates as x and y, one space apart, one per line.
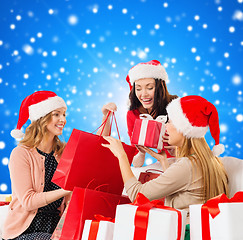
37 131
214 177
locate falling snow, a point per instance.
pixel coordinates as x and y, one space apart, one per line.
83 51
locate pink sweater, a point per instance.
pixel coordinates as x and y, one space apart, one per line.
27 173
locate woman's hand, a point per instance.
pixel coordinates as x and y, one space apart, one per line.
170 149
115 146
161 157
117 149
140 149
109 107
105 130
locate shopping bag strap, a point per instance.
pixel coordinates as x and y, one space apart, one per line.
97 188
104 123
154 170
113 116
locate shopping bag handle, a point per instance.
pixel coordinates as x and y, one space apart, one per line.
107 202
154 170
104 123
97 188
102 185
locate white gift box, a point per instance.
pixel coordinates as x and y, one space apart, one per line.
227 225
162 224
105 230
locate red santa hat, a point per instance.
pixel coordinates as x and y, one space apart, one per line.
151 69
34 107
192 115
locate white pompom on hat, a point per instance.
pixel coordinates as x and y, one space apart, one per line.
192 115
34 107
151 69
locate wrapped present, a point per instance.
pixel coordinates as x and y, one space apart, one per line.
100 229
85 162
148 132
145 220
219 218
85 204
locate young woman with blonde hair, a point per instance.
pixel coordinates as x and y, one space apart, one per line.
37 203
197 174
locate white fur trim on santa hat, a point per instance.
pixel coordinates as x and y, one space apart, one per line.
16 133
141 71
38 110
181 122
218 149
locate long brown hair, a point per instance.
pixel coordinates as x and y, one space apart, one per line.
37 131
214 177
161 99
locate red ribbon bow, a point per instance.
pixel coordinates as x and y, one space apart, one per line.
142 216
93 231
212 207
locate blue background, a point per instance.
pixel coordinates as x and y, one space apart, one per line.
82 50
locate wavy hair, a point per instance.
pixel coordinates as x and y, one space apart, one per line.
214 177
37 131
161 99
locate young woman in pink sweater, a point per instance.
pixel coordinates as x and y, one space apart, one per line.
37 203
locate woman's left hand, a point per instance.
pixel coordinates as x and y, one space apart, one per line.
115 146
158 156
161 157
109 107
168 147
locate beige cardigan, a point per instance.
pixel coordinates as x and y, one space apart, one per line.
27 173
181 184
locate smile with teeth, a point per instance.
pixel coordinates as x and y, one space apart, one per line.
147 100
60 126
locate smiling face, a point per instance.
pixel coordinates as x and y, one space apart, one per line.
57 123
144 90
176 138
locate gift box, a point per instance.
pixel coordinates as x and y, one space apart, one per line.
145 220
148 132
219 219
99 229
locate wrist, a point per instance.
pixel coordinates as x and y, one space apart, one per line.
122 156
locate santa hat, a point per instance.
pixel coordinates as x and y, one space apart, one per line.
192 115
34 107
151 69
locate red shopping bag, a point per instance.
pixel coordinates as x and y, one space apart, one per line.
148 175
85 162
85 204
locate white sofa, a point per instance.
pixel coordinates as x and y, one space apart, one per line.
234 169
